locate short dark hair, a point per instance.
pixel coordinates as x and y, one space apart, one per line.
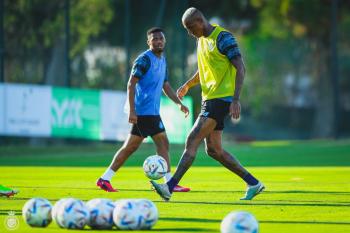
153 30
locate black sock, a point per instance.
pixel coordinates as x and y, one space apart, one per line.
171 184
250 180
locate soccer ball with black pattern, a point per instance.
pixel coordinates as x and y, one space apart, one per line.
37 212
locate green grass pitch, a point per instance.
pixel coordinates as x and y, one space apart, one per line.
307 185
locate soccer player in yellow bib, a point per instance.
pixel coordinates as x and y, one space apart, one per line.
220 74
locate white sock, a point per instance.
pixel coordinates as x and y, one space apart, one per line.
109 173
167 177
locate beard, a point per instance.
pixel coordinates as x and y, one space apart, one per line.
159 50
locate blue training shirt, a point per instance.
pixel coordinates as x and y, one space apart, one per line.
152 73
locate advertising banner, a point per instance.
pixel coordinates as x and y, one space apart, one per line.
75 113
2 109
114 120
44 111
27 110
176 124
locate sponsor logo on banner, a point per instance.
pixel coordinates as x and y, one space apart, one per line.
26 110
67 113
75 113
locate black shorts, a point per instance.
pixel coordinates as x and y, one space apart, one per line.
147 126
216 109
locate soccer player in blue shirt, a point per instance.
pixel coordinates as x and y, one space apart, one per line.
220 74
149 77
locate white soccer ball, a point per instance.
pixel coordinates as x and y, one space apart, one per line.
127 216
101 213
149 213
155 167
72 214
56 207
37 212
239 222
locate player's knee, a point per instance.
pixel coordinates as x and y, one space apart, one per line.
210 152
213 152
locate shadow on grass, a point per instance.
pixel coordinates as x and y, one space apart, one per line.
278 192
262 203
7 212
193 191
185 229
236 203
201 220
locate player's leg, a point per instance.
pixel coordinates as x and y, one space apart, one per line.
130 146
201 129
162 145
214 149
8 192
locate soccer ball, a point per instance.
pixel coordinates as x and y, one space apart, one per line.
37 212
72 214
149 213
101 213
239 222
56 207
127 216
155 167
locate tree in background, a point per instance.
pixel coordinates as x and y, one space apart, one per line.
307 25
34 36
285 43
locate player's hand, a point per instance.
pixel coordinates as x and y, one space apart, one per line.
184 109
235 109
132 117
182 91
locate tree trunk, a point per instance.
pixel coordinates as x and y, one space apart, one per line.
55 71
324 115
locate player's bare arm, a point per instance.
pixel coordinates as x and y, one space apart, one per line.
131 97
182 91
168 90
235 108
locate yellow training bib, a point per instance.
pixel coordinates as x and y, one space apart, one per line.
216 73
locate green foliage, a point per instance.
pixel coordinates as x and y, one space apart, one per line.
88 18
41 23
